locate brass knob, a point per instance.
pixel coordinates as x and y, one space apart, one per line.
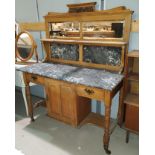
89 91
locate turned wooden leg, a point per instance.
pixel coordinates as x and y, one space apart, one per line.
106 137
29 103
25 100
121 107
28 97
127 136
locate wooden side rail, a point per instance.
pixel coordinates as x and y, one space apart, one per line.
135 26
36 26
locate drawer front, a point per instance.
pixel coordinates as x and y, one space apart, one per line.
90 92
35 78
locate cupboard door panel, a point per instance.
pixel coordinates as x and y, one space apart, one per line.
68 102
132 118
54 103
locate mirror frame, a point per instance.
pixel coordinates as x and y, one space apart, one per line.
33 49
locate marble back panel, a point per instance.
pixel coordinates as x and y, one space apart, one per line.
65 51
102 55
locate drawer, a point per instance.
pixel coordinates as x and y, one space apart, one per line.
90 92
35 78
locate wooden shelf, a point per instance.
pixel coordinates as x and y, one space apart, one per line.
132 99
84 41
133 77
98 120
134 54
91 34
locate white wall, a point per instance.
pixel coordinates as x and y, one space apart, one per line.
130 4
26 11
46 6
133 5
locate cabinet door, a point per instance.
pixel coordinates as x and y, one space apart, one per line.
53 99
68 103
132 118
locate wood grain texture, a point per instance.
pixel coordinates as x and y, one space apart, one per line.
32 26
53 101
135 26
94 93
132 118
107 121
40 26
131 99
96 119
28 97
68 102
134 54
83 108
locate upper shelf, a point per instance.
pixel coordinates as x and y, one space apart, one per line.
132 99
83 41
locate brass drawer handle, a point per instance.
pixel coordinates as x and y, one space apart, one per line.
89 91
34 77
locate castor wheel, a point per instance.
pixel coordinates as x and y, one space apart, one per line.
32 119
106 149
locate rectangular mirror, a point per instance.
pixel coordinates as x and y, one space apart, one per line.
105 29
64 30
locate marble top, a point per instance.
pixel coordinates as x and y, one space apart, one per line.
85 76
51 70
95 78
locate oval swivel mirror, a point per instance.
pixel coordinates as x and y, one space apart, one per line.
25 47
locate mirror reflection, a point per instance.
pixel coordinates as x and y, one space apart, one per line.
90 30
24 45
66 29
106 29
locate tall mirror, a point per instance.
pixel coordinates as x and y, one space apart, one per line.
25 47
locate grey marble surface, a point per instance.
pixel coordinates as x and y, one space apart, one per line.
89 77
95 78
65 51
55 71
102 55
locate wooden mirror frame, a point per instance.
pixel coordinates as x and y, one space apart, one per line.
33 48
115 14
